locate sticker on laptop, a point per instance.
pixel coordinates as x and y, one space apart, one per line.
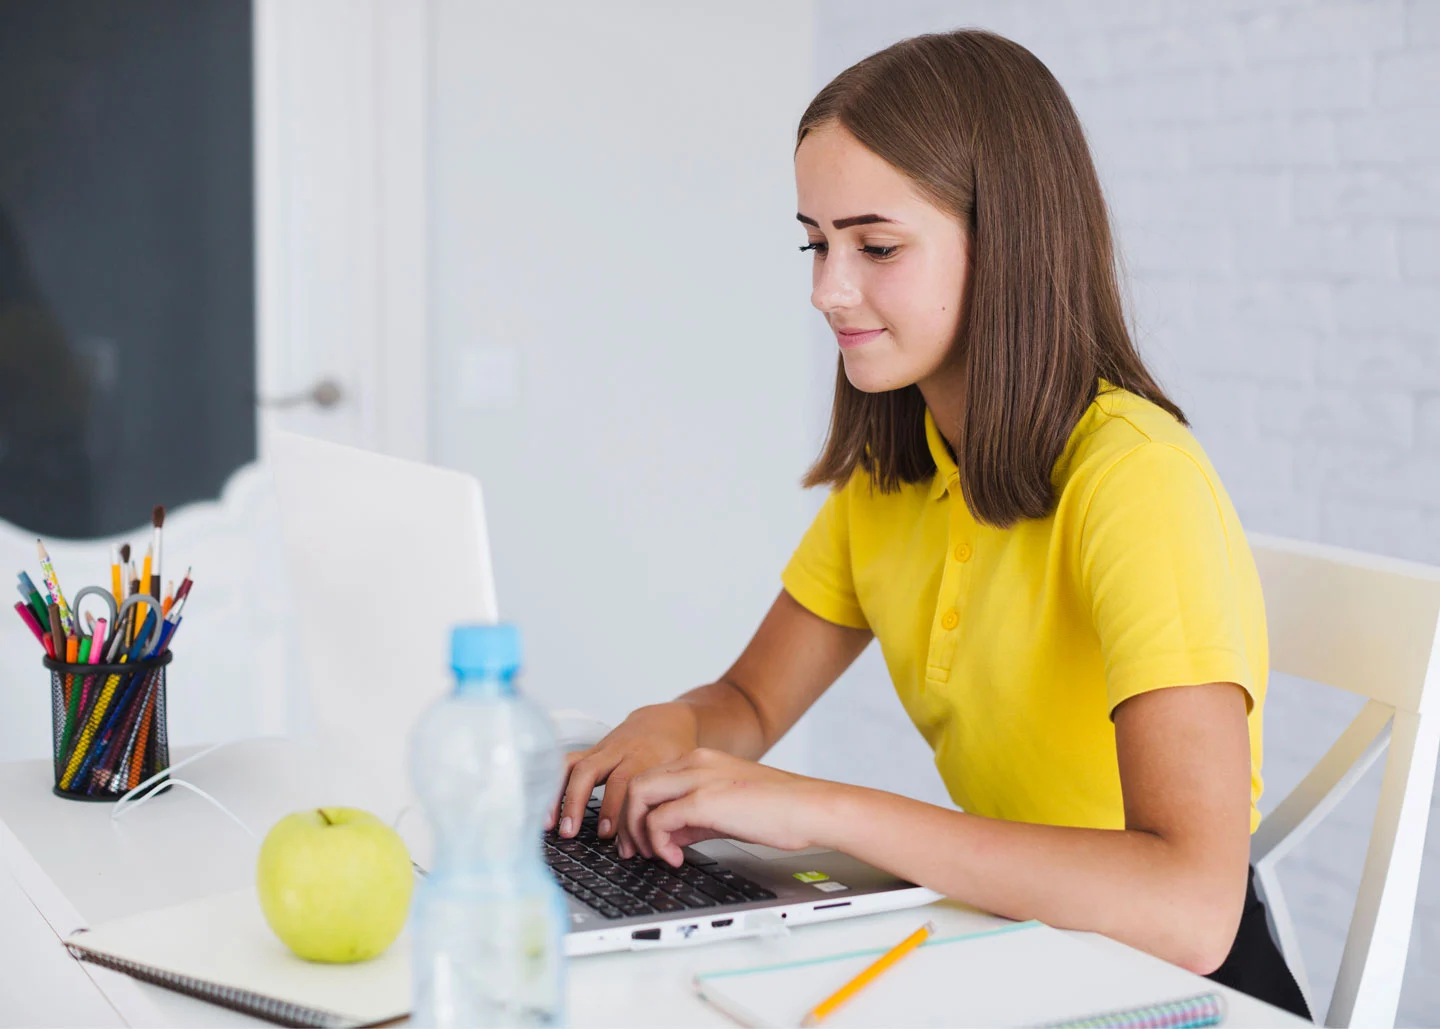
811 877
830 887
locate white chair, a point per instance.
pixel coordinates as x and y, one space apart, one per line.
1369 625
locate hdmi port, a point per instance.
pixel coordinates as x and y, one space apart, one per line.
721 923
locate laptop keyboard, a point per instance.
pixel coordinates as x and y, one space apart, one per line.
592 870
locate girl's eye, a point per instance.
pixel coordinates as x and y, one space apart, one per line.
880 252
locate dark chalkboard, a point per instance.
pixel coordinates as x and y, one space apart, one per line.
127 293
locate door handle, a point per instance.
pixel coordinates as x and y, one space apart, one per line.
325 394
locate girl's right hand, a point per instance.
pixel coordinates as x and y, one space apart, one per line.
650 736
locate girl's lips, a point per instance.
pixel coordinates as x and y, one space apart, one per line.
854 339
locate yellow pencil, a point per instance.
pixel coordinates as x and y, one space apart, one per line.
115 586
827 1006
140 609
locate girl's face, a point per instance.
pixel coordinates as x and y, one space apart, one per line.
889 269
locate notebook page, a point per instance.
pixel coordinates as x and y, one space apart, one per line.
1017 975
225 940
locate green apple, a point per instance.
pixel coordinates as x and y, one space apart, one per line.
334 883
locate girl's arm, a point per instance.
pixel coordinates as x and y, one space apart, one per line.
792 659
1171 883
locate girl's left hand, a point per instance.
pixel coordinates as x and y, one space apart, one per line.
708 794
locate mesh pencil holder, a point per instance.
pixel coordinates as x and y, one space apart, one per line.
109 723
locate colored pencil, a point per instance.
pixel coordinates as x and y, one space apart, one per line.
57 631
868 975
54 584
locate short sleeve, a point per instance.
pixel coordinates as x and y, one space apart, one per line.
818 574
1157 568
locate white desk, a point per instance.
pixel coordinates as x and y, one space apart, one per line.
80 867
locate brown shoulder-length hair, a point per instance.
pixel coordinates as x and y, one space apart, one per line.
985 132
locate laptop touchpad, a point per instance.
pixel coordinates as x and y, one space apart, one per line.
716 849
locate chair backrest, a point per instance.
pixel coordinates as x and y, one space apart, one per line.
1369 625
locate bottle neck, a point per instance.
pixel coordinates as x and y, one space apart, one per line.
484 684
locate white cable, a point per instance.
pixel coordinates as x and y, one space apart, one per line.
194 789
165 777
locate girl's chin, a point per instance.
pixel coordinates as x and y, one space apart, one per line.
874 376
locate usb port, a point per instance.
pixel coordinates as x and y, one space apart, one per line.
645 934
721 923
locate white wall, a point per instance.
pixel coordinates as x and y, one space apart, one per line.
620 323
1274 171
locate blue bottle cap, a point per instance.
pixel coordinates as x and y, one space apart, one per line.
485 650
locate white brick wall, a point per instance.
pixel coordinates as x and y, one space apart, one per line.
1273 169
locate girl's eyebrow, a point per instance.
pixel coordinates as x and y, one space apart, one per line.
845 223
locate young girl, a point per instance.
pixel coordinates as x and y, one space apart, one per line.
1059 584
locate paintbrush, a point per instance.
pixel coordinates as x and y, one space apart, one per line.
157 519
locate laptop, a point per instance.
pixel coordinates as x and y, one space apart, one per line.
377 659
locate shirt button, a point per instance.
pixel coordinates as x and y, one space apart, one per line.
950 619
963 552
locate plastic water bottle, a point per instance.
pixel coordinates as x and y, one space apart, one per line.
489 919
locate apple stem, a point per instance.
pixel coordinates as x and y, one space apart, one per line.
322 814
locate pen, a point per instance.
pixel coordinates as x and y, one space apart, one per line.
54 584
25 596
76 701
27 586
72 655
872 972
97 647
28 617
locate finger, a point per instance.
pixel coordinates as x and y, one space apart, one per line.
624 844
617 784
571 759
693 834
584 775
656 786
670 825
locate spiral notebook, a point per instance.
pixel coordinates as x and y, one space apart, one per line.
220 949
1023 974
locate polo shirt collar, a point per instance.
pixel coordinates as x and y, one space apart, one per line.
947 472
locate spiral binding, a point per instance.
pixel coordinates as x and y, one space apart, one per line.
1186 1013
244 1001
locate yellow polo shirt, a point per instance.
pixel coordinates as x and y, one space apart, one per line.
1010 648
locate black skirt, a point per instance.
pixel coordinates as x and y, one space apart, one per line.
1255 965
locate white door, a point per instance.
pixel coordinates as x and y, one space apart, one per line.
340 352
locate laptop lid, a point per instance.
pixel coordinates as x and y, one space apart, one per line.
385 557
